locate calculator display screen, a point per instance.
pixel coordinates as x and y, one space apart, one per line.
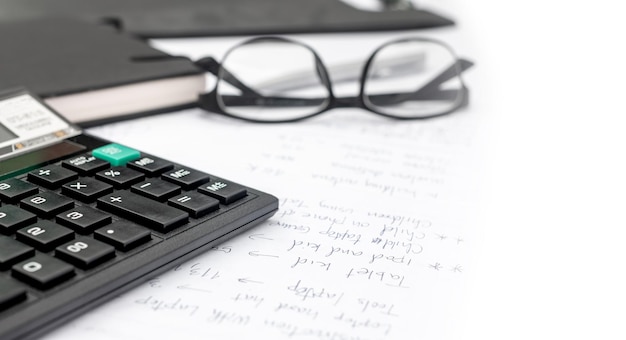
27 124
6 134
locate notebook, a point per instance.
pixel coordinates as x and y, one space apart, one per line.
91 73
146 18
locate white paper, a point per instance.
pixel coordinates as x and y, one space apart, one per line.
371 240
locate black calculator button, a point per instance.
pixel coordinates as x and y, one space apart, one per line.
13 218
43 271
85 164
151 166
13 190
12 252
186 178
156 189
85 252
44 235
196 204
11 292
46 204
123 235
142 210
224 191
51 176
86 189
83 219
120 177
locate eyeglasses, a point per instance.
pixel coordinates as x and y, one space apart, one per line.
276 80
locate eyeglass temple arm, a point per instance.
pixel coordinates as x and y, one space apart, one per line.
248 96
432 86
431 90
213 66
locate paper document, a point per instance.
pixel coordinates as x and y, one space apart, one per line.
372 239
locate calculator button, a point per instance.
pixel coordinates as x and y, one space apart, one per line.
155 215
13 218
225 192
85 164
12 252
123 235
44 235
85 252
43 271
11 292
86 189
186 178
46 204
151 166
13 190
83 219
51 176
156 189
116 154
196 204
120 177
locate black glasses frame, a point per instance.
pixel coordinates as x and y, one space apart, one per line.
211 101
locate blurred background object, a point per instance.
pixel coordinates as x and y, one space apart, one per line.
146 18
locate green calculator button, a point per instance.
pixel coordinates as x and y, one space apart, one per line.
116 154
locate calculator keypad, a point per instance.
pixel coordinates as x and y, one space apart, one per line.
123 235
11 292
186 178
46 204
12 251
120 177
13 218
86 189
156 189
44 235
43 271
139 209
51 176
13 190
225 192
65 220
196 204
85 164
85 252
151 166
83 219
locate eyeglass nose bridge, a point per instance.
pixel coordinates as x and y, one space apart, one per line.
346 102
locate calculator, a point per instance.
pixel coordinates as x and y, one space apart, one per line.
84 219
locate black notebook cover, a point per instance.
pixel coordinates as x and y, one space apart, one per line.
59 57
180 18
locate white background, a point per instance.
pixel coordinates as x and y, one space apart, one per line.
552 82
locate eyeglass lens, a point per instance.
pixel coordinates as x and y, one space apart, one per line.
400 80
281 81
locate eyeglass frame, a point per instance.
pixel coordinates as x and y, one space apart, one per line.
210 102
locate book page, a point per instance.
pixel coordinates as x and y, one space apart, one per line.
373 238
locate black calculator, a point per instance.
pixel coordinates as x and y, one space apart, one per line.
83 219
